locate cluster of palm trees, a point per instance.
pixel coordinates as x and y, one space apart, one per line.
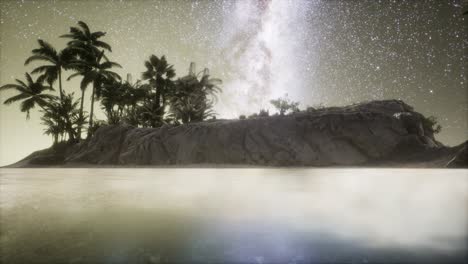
155 100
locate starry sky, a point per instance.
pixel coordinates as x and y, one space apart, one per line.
317 52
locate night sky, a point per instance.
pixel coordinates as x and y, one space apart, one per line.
318 52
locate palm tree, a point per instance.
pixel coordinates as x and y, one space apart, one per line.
56 62
190 108
62 118
134 98
63 115
89 44
53 126
210 86
96 72
113 94
137 93
192 99
159 74
82 37
31 94
147 116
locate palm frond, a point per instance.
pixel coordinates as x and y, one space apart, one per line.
45 49
51 75
147 75
74 75
148 66
110 64
87 79
67 36
48 88
98 34
78 67
39 58
42 78
29 79
25 86
11 86
49 97
85 28
44 68
103 45
154 60
112 75
27 104
16 98
77 33
170 73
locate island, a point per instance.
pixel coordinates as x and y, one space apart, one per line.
385 133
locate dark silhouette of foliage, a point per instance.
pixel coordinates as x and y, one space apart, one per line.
189 99
62 117
136 97
113 100
159 75
284 105
89 46
31 93
96 126
82 37
96 72
56 61
253 116
264 113
432 124
310 109
192 98
120 99
53 125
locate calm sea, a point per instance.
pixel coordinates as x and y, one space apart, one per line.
233 216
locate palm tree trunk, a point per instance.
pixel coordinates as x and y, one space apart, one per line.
69 128
91 112
158 109
158 98
60 84
81 113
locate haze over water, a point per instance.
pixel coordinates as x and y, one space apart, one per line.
233 215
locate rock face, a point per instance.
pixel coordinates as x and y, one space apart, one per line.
378 133
460 160
352 135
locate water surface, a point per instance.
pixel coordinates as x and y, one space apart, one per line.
233 216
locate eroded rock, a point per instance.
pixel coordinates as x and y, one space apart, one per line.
350 135
376 133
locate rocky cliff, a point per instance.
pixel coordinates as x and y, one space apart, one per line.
375 133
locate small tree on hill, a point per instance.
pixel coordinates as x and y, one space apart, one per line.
284 105
432 124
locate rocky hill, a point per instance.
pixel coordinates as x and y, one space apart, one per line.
377 133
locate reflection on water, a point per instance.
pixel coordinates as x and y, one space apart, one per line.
233 215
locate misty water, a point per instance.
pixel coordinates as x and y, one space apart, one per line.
233 215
